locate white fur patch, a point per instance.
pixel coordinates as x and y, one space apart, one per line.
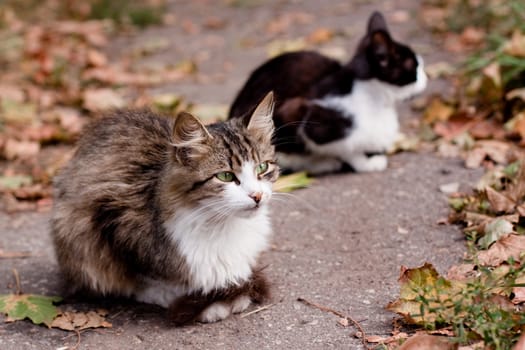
371 105
240 304
215 312
221 239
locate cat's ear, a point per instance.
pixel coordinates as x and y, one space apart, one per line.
261 120
377 22
189 136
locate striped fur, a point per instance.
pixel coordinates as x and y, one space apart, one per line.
139 203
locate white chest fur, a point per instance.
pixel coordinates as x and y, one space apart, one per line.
371 105
222 253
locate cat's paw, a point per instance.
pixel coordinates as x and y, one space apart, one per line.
215 312
370 164
240 304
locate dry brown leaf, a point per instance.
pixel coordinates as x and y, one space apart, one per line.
476 346
11 92
428 342
14 149
516 45
33 192
493 72
386 340
497 151
70 119
519 124
437 111
102 99
472 36
461 272
71 321
475 158
96 58
452 128
515 93
484 129
511 246
519 295
499 202
320 36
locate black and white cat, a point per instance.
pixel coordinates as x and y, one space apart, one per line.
327 115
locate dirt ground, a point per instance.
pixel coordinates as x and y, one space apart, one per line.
339 243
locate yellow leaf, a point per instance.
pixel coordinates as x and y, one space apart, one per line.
437 111
516 45
288 183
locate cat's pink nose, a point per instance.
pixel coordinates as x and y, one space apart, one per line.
256 196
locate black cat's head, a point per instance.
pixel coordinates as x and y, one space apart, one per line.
380 57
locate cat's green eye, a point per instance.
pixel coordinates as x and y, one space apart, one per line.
261 168
225 176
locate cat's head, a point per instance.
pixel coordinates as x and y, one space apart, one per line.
226 168
380 57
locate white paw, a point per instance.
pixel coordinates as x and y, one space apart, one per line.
374 163
215 312
240 304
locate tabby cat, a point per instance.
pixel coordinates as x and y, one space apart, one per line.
172 213
329 116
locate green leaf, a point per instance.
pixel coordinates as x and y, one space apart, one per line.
458 204
289 183
494 231
425 297
15 181
38 308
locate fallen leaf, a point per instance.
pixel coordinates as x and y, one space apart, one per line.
38 308
96 58
101 99
516 45
70 321
516 93
15 181
485 129
14 149
291 182
499 202
493 72
14 112
453 127
497 151
33 192
210 113
428 342
472 36
511 246
386 340
494 230
424 282
404 143
320 36
439 69
462 272
277 47
437 111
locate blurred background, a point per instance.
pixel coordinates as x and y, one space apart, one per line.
64 62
